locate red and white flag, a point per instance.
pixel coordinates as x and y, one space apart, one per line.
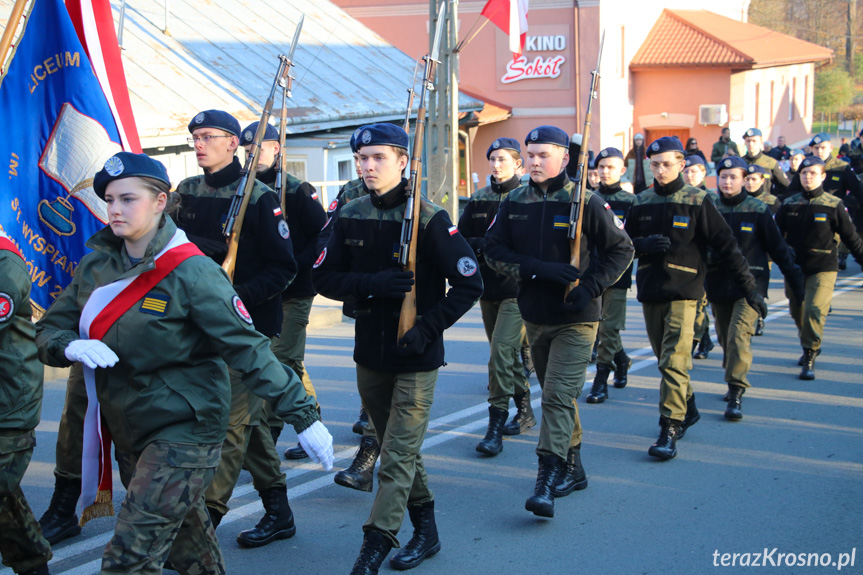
94 22
511 17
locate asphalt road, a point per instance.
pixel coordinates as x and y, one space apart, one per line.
787 479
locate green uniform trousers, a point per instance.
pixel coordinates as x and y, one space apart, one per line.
505 331
399 405
613 322
702 319
735 326
561 354
163 513
670 327
22 546
70 434
290 347
811 316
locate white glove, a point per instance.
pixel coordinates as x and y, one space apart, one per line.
318 443
91 352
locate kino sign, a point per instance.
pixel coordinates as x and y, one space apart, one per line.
520 69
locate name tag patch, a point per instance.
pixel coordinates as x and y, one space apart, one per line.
397 249
155 304
561 222
681 222
820 217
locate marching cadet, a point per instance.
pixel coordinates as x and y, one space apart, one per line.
671 226
810 222
694 173
751 222
528 240
500 316
754 142
305 217
396 377
153 339
757 185
592 176
610 353
265 266
797 157
22 546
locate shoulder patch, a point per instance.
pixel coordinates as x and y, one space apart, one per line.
284 231
7 307
617 222
466 266
277 212
453 230
320 259
241 311
333 205
314 195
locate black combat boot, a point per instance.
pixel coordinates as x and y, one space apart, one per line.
523 418
60 522
373 552
691 418
361 422
735 394
808 371
541 503
666 446
599 391
492 443
296 452
843 262
802 359
360 474
573 477
705 346
759 326
215 516
40 570
622 363
424 542
277 522
527 361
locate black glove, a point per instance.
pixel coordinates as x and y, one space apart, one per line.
653 244
797 283
578 299
414 342
557 272
391 283
757 302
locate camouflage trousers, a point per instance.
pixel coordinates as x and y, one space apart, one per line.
21 543
164 513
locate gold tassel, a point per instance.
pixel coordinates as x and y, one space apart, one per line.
102 507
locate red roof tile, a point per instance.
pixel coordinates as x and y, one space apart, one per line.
702 38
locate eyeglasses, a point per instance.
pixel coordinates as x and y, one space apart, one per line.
204 139
663 166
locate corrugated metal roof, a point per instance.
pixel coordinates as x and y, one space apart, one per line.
703 38
223 54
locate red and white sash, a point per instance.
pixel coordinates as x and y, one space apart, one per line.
105 306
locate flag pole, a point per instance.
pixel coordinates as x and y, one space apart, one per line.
465 42
11 27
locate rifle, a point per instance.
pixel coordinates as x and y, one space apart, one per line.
410 225
237 212
576 210
411 92
286 83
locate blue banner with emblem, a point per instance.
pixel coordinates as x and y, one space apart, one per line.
58 133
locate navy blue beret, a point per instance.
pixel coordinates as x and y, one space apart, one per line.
811 161
548 135
665 144
271 134
756 169
215 119
609 153
354 137
128 165
382 134
503 144
694 160
798 152
752 132
731 162
819 138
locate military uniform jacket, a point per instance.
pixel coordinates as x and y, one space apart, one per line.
776 175
475 220
265 261
767 198
810 221
20 369
620 201
751 222
365 240
531 228
842 182
171 383
684 215
305 217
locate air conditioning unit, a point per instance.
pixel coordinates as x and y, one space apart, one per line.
712 115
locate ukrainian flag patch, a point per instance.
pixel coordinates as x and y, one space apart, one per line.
746 227
681 222
155 304
561 222
820 217
397 250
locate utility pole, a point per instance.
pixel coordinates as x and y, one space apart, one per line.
851 30
442 126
